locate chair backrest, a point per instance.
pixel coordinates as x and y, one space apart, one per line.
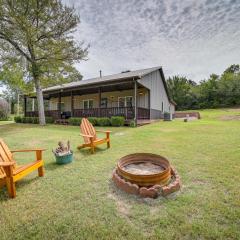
5 156
87 128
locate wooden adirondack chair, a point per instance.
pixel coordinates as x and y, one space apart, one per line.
89 135
10 173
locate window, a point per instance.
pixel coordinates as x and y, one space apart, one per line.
87 104
129 101
125 101
121 102
104 102
162 107
60 106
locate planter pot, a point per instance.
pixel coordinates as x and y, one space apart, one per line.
64 159
167 117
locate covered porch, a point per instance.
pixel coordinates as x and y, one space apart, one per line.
128 99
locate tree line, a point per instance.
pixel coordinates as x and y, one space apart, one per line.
215 92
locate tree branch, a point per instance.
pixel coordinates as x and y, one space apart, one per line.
15 45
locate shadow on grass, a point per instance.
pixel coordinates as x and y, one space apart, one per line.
21 184
87 151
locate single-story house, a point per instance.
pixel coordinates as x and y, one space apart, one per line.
136 95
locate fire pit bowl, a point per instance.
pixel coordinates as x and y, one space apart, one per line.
144 169
146 175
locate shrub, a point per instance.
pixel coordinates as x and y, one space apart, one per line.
4 109
117 121
132 123
34 120
75 121
48 120
93 120
103 121
17 119
24 119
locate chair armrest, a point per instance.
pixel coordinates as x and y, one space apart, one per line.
6 164
84 135
102 131
28 150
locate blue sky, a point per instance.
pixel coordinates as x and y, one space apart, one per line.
191 38
186 37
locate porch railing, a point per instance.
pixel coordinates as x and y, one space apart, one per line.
127 112
50 113
143 113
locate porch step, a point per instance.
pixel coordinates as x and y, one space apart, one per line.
146 121
139 122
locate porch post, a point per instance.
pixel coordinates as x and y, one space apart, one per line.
149 103
59 104
25 105
135 102
33 105
99 101
72 104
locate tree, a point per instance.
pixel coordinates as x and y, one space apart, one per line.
37 35
180 89
4 109
234 68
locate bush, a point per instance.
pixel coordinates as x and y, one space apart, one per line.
75 121
117 121
132 124
93 120
103 122
48 120
4 109
24 119
17 119
34 120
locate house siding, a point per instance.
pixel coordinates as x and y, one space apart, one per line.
158 96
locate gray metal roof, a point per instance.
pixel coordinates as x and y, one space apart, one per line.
115 77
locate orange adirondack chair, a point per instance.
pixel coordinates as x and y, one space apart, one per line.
10 173
89 135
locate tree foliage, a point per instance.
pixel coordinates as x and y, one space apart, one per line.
216 91
37 35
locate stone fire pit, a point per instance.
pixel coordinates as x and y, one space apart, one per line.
145 174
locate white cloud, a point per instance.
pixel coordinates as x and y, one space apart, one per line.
192 38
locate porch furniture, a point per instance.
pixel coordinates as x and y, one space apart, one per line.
10 173
89 135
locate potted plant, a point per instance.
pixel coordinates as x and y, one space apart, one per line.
167 116
63 154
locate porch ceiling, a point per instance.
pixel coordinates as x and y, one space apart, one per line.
90 90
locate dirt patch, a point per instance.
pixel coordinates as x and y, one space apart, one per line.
199 182
122 207
145 168
233 110
231 117
119 134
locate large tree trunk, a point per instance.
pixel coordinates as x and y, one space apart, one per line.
41 113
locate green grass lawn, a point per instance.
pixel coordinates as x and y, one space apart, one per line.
5 122
79 200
